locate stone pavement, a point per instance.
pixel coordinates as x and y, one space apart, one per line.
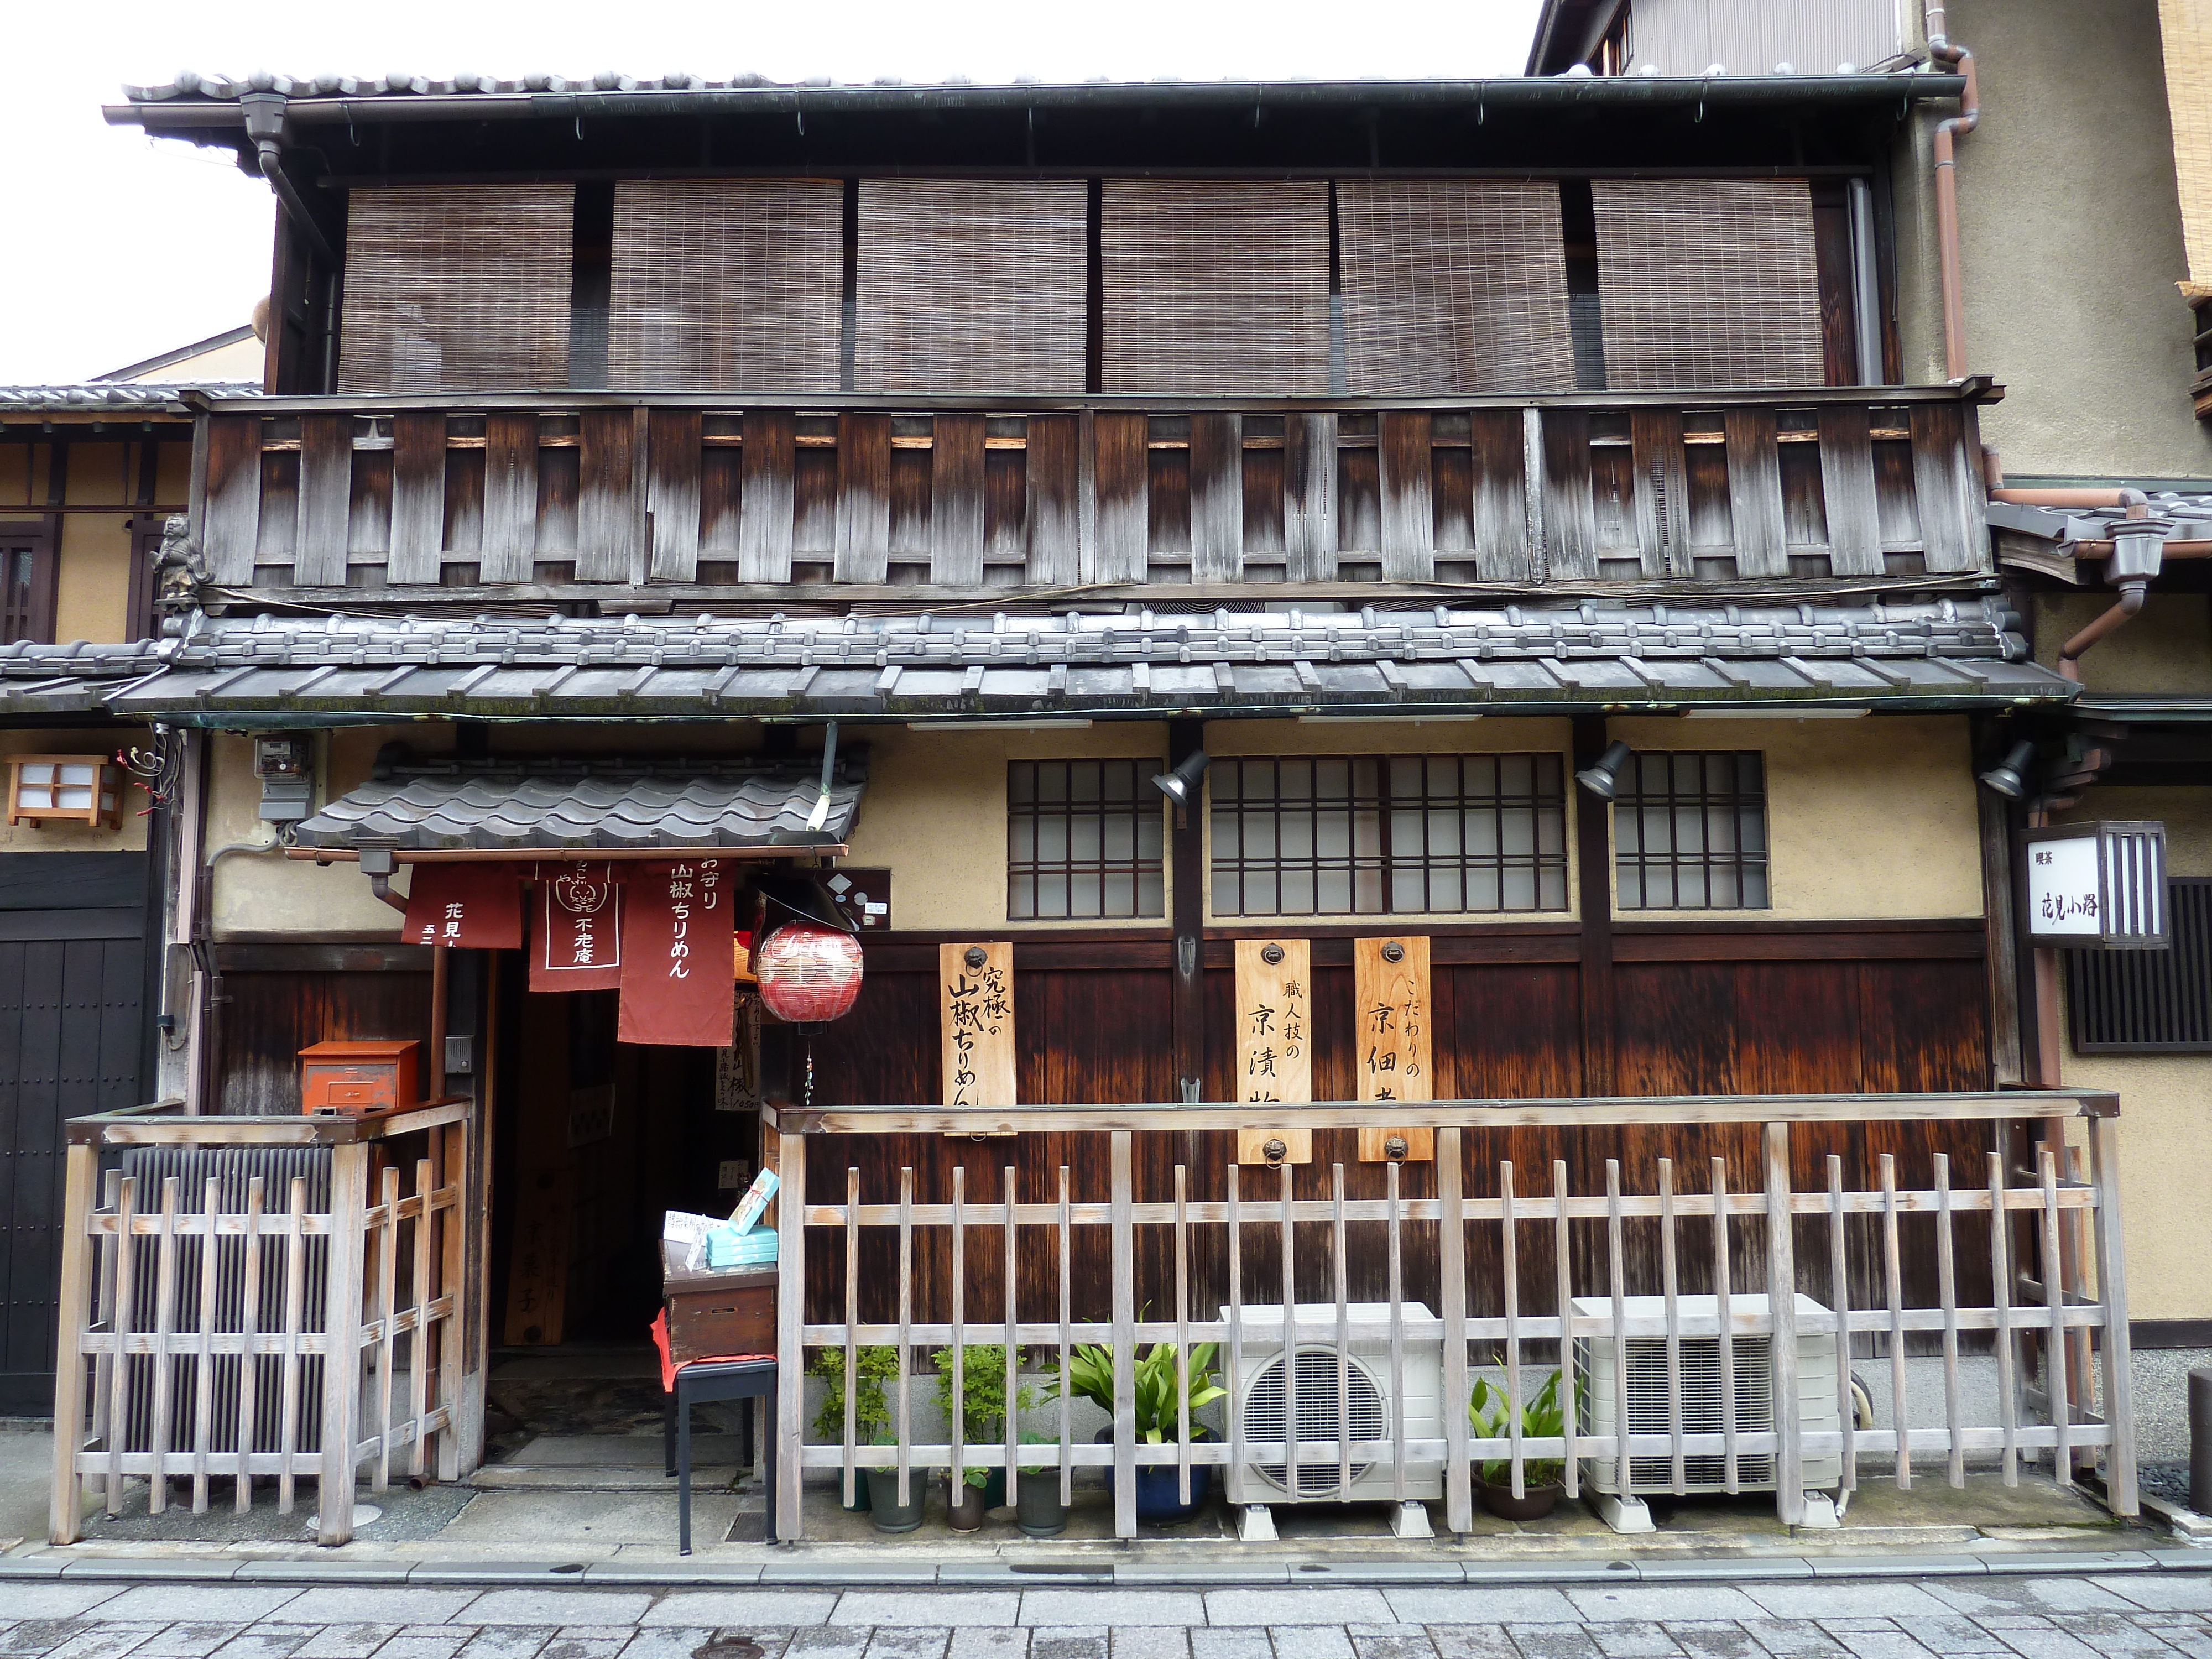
2029 1616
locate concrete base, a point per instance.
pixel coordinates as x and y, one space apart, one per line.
1255 1524
1410 1521
1821 1511
1623 1515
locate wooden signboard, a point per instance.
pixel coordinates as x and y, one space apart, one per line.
1390 996
977 983
1274 1044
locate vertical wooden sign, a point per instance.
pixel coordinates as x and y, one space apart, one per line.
1274 1043
976 984
1390 994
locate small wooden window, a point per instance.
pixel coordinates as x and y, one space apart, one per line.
26 583
1399 835
1083 840
1689 832
2146 1002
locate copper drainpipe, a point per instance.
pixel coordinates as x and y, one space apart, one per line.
1947 133
2132 593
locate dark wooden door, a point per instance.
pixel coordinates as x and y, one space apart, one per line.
70 987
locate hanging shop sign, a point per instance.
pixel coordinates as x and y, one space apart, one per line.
579 923
1391 1056
1275 1045
676 944
976 982
474 907
2098 886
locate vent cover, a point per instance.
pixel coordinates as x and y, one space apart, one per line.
2148 1001
1264 1416
1701 1407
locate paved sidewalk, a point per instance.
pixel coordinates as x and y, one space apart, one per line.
2029 1616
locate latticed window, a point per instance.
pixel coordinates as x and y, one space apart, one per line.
1689 832
1083 840
1398 834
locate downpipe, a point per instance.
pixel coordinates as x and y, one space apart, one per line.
2138 551
1949 132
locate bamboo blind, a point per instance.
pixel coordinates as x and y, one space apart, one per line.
1708 282
457 287
970 285
2186 27
726 283
1215 287
1453 285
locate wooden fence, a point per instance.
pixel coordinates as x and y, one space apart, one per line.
245 1297
2069 1320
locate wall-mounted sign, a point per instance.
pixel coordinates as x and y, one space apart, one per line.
2097 885
1391 1024
1274 1046
863 898
976 982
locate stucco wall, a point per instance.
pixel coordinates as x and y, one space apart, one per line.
2166 649
2070 229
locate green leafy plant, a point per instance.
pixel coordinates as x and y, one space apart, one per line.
981 1368
1030 1437
1543 1416
1091 1376
872 1368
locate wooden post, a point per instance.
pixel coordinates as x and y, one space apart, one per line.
347 1255
453 1172
1451 1293
2120 1494
1782 1308
1122 1196
790 1321
1594 896
1186 897
81 1170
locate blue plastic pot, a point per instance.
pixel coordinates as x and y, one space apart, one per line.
1157 1484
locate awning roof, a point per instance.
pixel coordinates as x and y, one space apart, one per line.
507 805
1941 654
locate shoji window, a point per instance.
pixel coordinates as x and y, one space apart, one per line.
1084 840
457 287
1215 286
1453 285
726 284
967 285
1689 833
1708 282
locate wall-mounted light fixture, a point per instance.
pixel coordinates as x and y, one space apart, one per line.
1603 778
2008 777
85 789
1181 785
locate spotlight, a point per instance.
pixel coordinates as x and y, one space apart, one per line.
1181 785
1603 779
2008 777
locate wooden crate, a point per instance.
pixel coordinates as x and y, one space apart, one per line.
724 1313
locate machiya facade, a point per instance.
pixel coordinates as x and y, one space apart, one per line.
1420 640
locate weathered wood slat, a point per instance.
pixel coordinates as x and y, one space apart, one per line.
418 498
673 461
1847 491
956 501
1570 534
232 524
318 555
1054 527
1894 1284
607 510
1947 1292
2000 1302
1409 528
768 500
1121 1189
1941 482
1663 492
1310 498
1782 1310
509 552
1755 460
2118 1374
1500 521
1217 497
1122 469
864 498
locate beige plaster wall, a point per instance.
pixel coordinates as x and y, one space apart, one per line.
129 837
2070 232
1871 817
92 580
2167 647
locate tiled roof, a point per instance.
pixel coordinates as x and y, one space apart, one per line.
95 396
510 805
1942 654
39 680
2192 514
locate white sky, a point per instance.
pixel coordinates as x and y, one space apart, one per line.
123 246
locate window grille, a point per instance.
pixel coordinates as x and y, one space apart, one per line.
26 584
1399 835
1689 833
2148 1001
1084 840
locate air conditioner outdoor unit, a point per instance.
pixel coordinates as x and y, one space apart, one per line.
1263 1387
1620 1501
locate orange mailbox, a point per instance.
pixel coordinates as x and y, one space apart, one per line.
352 1079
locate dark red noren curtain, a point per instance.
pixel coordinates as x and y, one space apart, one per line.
678 984
477 907
579 943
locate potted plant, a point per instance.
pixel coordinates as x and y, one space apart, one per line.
872 1368
981 1368
890 1515
1091 1376
1039 1511
1542 1417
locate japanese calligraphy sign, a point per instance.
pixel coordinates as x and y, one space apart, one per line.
579 943
1274 1043
477 907
976 982
1392 1021
676 982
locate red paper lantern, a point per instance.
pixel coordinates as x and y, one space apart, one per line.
808 973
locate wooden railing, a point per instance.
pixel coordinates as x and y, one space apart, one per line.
259 1297
1025 1260
610 495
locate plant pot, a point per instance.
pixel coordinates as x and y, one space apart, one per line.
964 1505
1039 1511
1156 1495
890 1515
859 1504
1534 1504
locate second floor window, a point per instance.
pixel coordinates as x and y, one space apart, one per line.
1689 832
1398 834
1083 840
